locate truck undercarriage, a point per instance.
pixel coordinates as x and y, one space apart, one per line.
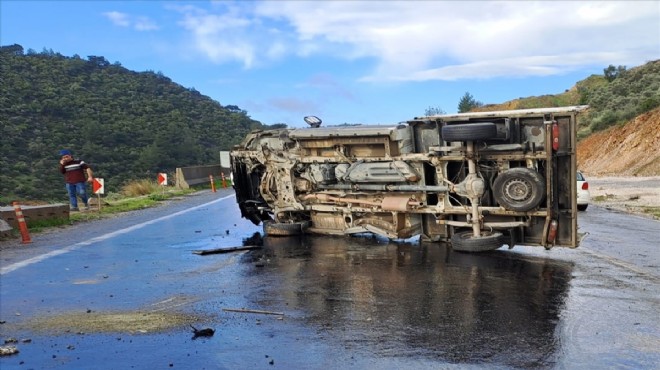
478 180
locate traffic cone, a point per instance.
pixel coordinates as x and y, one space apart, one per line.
212 183
224 182
22 226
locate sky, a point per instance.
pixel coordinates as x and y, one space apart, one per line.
372 62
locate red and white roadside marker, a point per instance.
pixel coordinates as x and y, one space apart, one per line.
162 179
98 187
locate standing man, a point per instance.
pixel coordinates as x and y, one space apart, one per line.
74 175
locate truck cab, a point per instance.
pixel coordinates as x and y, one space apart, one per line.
476 180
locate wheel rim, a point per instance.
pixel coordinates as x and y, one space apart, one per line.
517 190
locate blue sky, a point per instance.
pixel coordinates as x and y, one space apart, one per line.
347 61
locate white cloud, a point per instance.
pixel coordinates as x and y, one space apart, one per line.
119 19
432 40
138 23
229 35
145 24
542 65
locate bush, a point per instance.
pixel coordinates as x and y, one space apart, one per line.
649 104
629 93
603 121
627 114
139 187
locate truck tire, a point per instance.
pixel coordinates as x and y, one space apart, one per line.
469 132
464 241
519 189
272 228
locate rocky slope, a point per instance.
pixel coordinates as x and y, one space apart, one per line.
629 150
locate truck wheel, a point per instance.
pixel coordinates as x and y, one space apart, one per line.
272 228
469 132
519 189
465 241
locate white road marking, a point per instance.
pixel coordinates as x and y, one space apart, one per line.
33 260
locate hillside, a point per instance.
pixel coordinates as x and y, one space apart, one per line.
632 149
128 125
620 133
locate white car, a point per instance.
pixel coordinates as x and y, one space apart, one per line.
583 196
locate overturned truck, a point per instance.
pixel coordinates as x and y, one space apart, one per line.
477 180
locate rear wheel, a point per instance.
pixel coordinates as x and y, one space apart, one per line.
519 189
465 241
582 207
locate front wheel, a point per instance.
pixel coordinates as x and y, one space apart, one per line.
465 241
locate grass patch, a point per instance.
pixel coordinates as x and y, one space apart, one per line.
120 205
653 211
38 225
134 196
602 198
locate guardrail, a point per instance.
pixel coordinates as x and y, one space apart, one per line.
31 213
188 176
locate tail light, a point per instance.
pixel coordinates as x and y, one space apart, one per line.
585 186
552 232
555 136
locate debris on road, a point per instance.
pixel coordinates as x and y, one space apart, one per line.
204 252
8 350
207 332
247 310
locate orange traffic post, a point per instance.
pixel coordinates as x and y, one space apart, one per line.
224 182
21 223
212 183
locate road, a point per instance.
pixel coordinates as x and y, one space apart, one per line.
122 293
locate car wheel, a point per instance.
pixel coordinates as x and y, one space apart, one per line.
272 228
465 241
519 189
469 132
582 207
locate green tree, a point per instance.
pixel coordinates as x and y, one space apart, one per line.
467 103
433 111
612 72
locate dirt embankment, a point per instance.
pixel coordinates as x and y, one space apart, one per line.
622 165
629 150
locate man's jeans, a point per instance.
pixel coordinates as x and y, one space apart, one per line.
74 190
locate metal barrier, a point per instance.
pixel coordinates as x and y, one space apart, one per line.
31 213
189 176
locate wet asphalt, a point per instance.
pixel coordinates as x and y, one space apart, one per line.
318 302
